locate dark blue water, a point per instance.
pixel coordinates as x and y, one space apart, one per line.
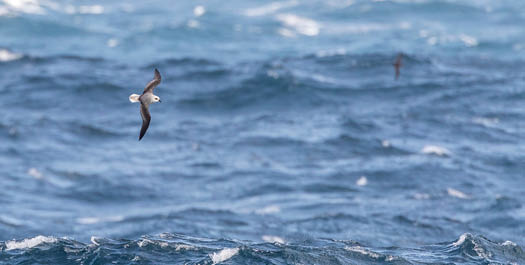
282 136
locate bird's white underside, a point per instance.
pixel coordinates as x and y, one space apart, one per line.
134 98
147 98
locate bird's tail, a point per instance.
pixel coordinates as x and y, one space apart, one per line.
134 98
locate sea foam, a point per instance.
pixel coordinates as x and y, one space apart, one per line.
29 242
223 255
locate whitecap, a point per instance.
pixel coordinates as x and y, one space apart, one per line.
33 172
301 25
469 41
6 56
268 210
93 240
272 239
386 143
435 150
144 242
362 181
362 250
184 247
487 122
199 11
223 255
94 9
113 42
480 251
456 193
509 243
29 242
461 239
421 196
269 8
24 6
286 32
94 220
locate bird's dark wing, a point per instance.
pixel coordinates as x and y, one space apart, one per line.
146 118
153 83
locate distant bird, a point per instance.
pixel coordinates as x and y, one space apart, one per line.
145 99
397 64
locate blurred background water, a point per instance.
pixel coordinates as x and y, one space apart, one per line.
283 137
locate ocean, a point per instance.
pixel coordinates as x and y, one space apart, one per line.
283 136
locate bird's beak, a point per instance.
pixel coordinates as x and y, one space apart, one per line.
160 101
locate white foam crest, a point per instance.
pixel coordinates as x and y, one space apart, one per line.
481 251
421 196
270 209
24 6
6 56
184 247
461 239
33 172
469 41
477 248
94 220
509 243
435 150
29 242
433 39
93 9
273 239
269 8
223 255
362 181
487 122
286 32
88 220
144 242
362 250
112 42
301 25
93 240
456 193
199 11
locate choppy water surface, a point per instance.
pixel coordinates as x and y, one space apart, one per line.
282 138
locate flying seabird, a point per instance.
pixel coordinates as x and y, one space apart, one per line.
397 64
145 99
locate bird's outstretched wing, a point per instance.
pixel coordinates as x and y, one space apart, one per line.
146 118
153 83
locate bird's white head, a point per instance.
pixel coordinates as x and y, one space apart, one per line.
156 99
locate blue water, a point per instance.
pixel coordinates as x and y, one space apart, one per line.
282 136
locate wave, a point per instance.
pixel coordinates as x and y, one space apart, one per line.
171 248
